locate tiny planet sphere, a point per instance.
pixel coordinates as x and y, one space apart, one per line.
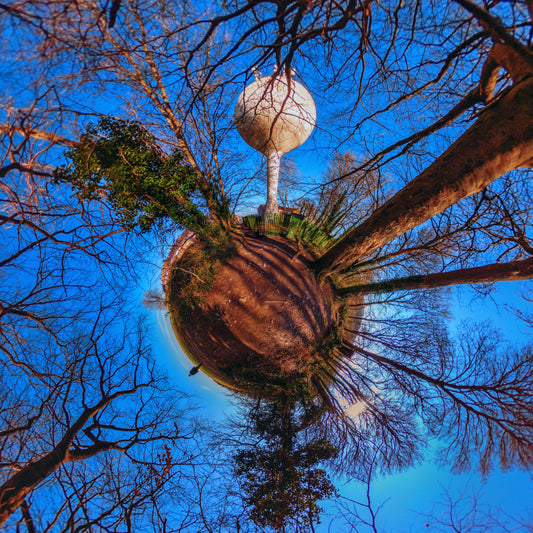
275 114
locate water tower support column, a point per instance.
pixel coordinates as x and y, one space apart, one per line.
273 162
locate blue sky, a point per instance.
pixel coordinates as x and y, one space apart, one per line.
421 490
417 489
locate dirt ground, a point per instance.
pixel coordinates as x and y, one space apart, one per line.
264 312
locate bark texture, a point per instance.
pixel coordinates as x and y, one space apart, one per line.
514 271
501 140
14 491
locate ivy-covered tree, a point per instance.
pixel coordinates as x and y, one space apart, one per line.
121 162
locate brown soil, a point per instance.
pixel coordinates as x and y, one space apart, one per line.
263 315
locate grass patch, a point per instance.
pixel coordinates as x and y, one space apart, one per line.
293 227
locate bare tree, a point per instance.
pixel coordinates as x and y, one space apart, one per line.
74 402
344 199
179 486
513 271
453 176
461 217
466 511
362 513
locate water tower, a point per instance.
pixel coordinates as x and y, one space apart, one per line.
274 115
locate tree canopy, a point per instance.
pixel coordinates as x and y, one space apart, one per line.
281 479
121 161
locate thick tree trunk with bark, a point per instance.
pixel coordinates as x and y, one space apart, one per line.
501 140
14 491
514 271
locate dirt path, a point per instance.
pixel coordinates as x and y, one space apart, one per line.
263 312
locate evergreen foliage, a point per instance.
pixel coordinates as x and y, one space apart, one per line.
281 478
121 161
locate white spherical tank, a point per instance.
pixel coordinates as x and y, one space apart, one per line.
275 114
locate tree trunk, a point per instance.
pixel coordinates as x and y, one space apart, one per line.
14 491
514 271
28 520
501 140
